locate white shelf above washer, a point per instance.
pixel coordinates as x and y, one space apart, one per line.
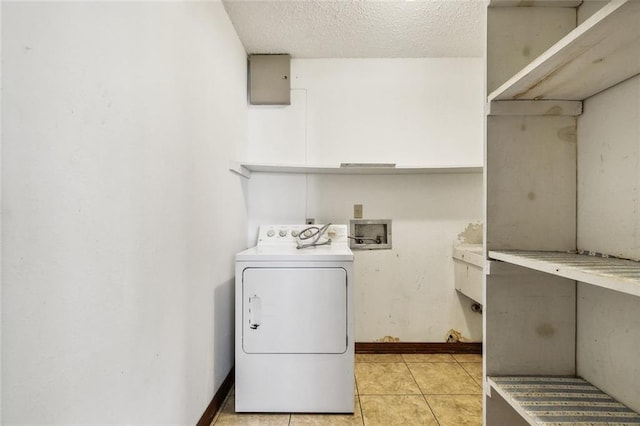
607 272
245 169
601 52
535 3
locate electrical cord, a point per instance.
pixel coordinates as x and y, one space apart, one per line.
315 233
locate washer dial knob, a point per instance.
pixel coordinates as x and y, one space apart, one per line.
283 233
271 233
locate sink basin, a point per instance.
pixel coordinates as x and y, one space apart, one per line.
468 264
469 253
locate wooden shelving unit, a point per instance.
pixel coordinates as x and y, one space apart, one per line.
561 145
606 272
567 400
598 54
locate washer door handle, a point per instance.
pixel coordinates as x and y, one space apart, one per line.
255 312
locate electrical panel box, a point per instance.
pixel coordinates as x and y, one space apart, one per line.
269 82
368 234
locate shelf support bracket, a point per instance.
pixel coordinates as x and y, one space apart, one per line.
239 169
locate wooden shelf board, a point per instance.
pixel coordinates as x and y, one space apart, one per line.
302 169
545 108
607 272
553 399
601 52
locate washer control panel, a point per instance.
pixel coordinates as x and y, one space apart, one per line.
289 234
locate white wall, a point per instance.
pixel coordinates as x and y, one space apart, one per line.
407 292
608 335
608 173
413 112
1 209
120 218
407 111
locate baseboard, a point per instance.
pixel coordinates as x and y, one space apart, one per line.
417 348
218 400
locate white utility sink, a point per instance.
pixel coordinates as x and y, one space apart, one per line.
468 264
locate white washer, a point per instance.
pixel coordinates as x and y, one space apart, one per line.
294 324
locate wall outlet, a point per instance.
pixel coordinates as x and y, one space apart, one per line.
357 211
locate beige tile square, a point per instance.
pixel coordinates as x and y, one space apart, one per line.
385 379
457 410
468 357
475 370
228 416
443 378
379 358
389 410
408 358
354 419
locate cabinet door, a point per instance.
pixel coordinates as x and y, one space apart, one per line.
294 310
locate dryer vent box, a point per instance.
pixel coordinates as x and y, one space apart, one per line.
269 80
369 234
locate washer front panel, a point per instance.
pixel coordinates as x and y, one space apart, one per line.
294 310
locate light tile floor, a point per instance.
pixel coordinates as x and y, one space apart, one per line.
394 389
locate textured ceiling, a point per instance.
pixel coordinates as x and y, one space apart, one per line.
359 29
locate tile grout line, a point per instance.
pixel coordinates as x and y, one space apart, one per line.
469 374
355 380
422 393
431 409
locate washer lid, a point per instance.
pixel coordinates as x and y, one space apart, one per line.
328 253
